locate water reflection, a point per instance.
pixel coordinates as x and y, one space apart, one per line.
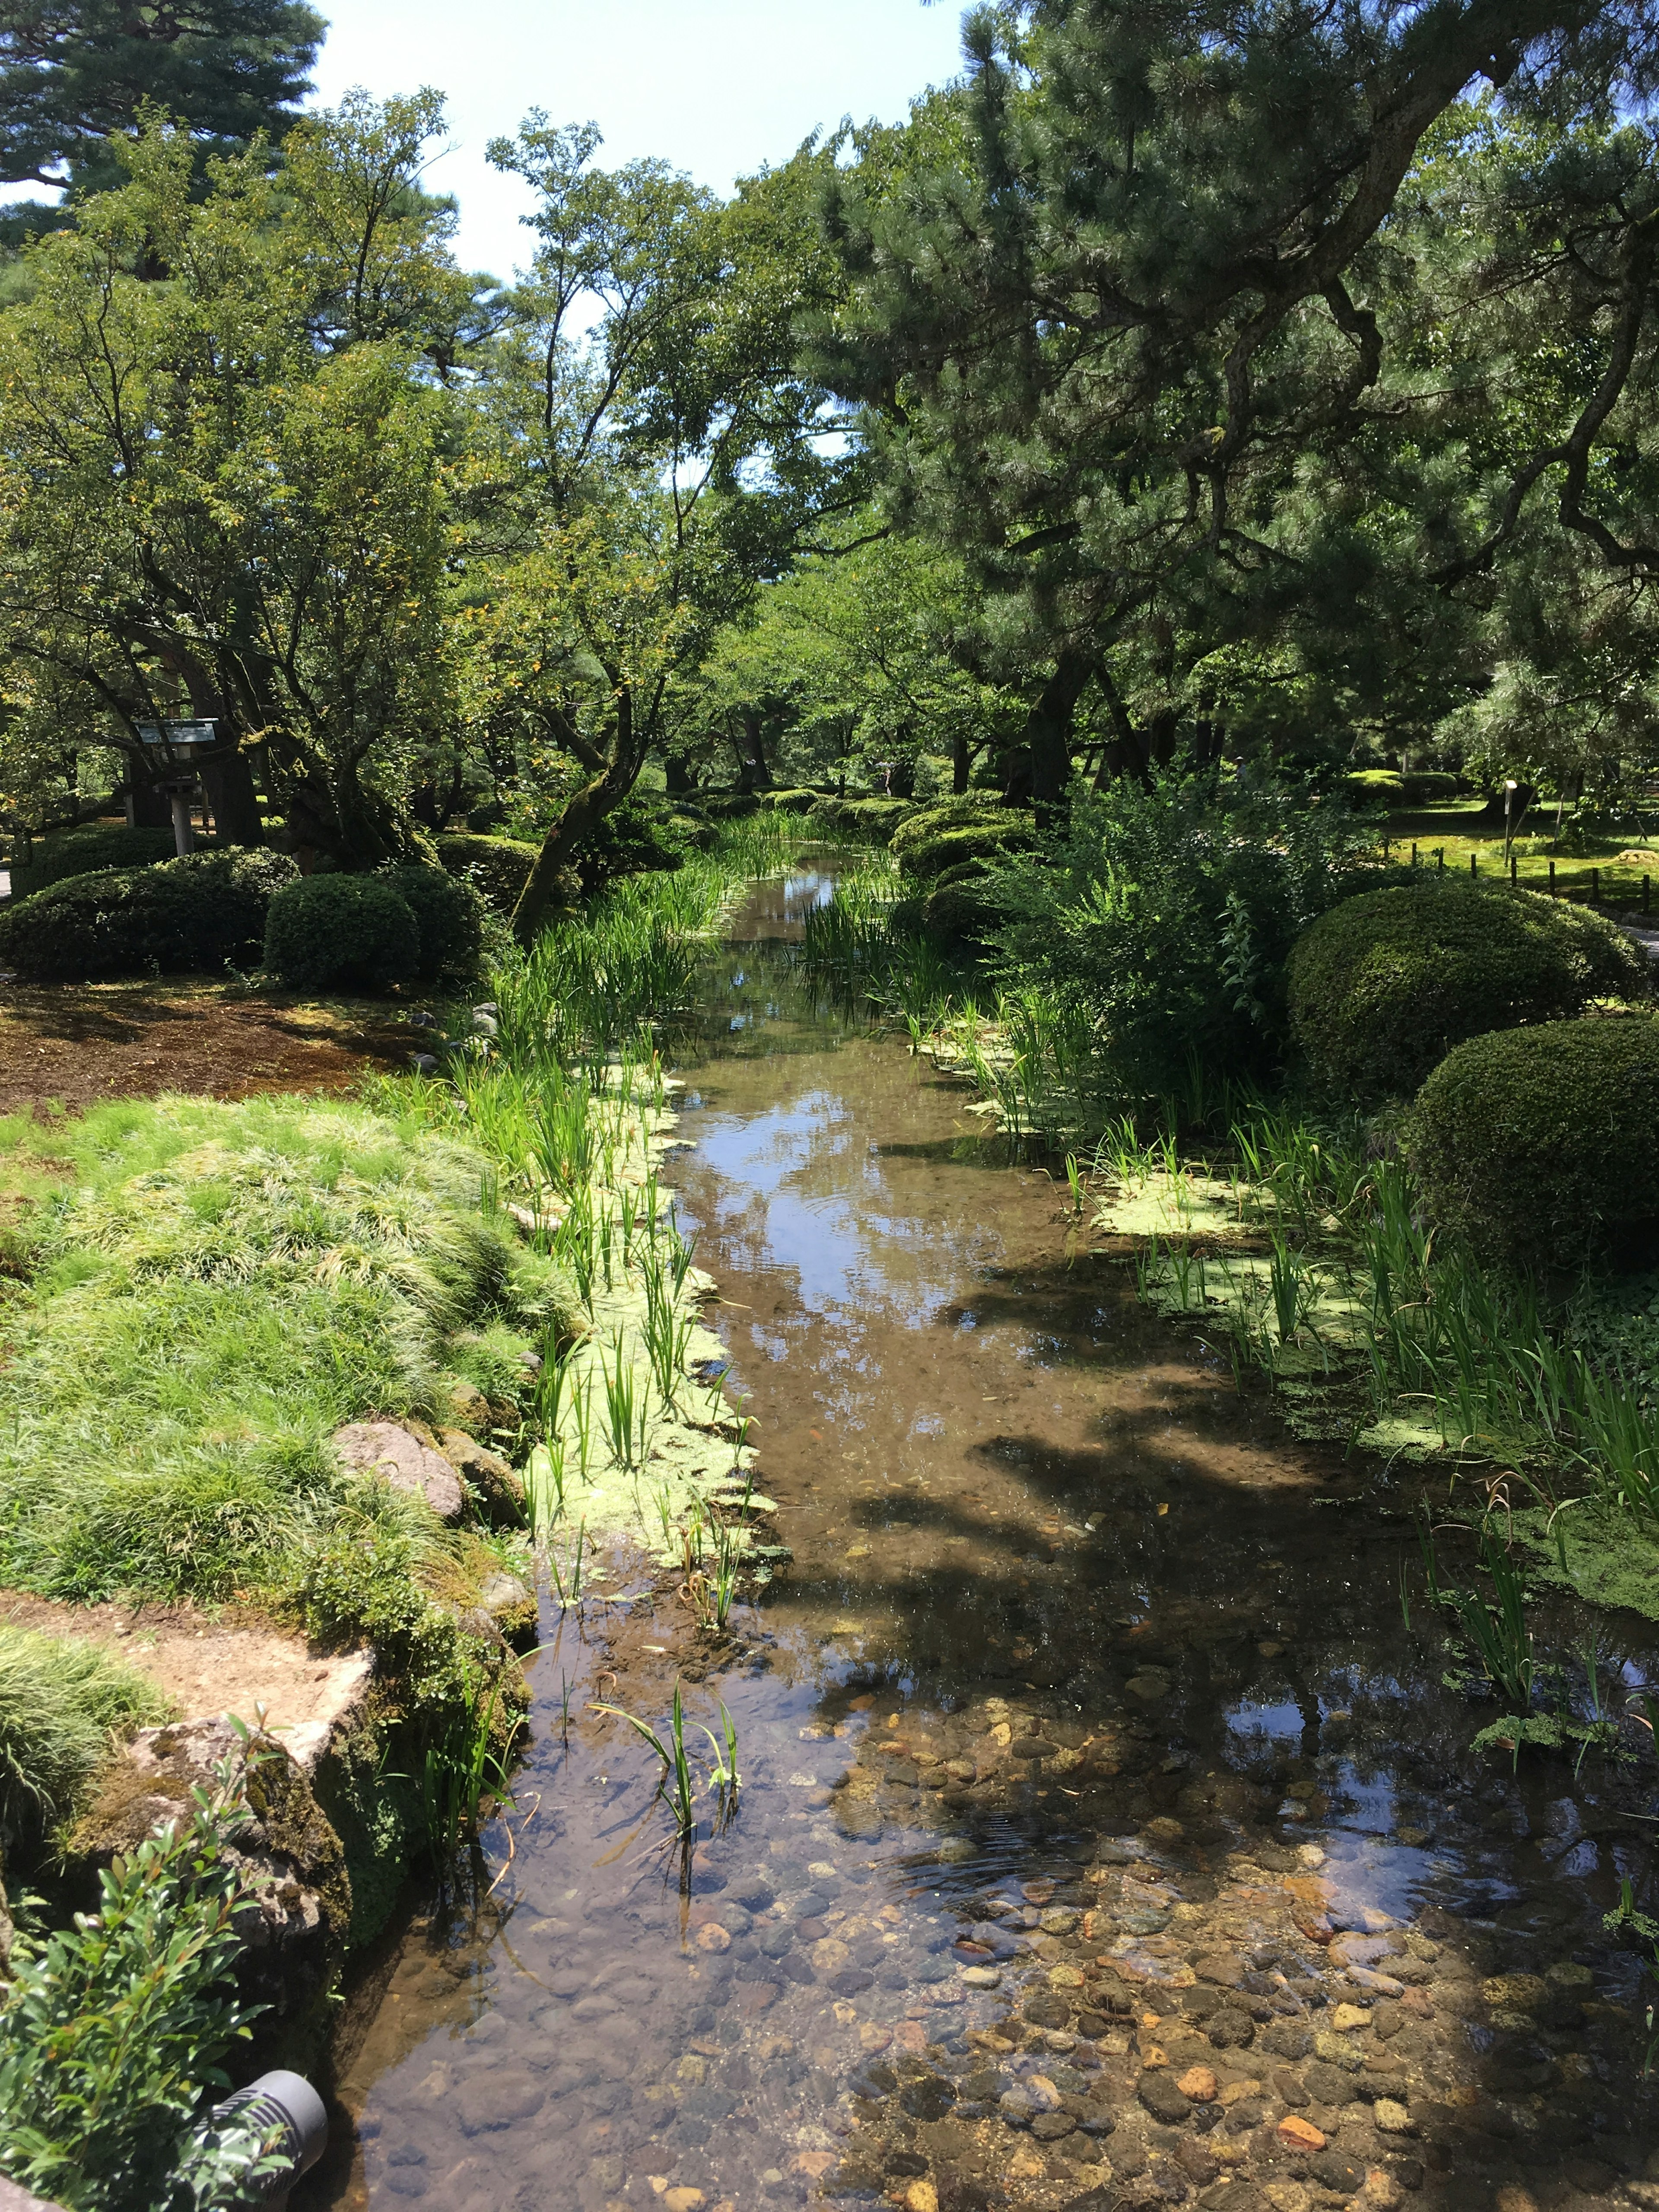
1086 1751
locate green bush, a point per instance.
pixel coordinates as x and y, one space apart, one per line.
943 837
634 839
112 2031
497 867
1168 911
449 914
323 931
872 820
1383 986
202 913
1541 1145
1421 787
90 850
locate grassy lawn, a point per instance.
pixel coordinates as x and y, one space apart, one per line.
1611 866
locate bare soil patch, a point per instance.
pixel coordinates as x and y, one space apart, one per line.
73 1045
207 1667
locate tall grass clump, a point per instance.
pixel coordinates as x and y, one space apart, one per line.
64 1706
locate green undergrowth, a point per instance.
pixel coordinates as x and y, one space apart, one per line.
201 1294
62 1704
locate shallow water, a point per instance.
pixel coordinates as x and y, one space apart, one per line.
1076 1651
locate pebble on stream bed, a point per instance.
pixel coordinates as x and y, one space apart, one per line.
1183 2011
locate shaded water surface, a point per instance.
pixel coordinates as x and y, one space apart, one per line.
1105 1830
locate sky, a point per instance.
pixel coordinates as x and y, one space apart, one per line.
714 86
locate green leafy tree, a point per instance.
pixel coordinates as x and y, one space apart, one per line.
223 494
75 74
648 453
1115 316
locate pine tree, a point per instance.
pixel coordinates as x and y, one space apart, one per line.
73 73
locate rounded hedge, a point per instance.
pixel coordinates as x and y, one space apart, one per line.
498 868
946 836
449 914
1541 1145
88 850
201 913
328 929
1383 985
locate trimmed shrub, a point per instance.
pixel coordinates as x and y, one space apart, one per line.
327 930
873 820
198 913
497 867
939 840
1385 984
1541 1145
90 850
449 914
1422 788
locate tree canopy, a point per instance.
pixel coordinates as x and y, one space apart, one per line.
1233 376
74 74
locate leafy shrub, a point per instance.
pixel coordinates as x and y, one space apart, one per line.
635 839
1420 787
59 1702
89 850
1541 1145
449 914
325 930
112 2032
497 867
872 820
1168 911
1382 986
202 913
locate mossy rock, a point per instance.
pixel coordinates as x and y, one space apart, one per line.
1541 1145
1385 984
296 1908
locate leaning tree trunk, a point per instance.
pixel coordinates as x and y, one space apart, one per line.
583 811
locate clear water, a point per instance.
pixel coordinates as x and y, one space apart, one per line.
1023 1513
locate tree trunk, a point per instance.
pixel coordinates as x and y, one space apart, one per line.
962 765
582 811
147 803
753 774
678 777
1046 745
229 784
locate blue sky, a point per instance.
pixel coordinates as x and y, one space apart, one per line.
715 87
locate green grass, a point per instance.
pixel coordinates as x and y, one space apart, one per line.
211 1291
62 1706
1584 865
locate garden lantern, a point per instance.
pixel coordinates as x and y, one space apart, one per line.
177 745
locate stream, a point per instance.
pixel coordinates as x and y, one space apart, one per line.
1106 1832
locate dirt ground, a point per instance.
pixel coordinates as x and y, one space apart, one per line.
72 1045
207 1667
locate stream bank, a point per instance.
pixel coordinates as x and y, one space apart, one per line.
1105 1831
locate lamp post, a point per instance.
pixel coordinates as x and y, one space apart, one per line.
1509 789
174 741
